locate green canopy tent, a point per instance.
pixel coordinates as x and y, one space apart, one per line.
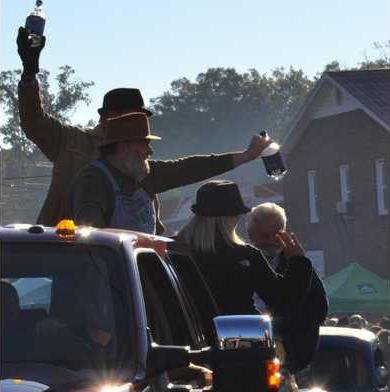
355 289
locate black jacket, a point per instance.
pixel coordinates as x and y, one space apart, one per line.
300 326
234 273
315 303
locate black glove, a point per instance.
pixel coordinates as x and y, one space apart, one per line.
29 54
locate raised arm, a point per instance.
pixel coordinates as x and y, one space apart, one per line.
281 292
167 175
42 129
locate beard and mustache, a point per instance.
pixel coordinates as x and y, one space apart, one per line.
136 167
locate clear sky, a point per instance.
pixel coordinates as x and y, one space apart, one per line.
147 44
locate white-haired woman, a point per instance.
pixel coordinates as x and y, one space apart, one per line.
233 269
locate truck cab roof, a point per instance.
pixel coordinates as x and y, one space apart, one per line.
82 235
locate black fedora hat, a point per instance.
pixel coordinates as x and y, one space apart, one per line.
123 99
219 198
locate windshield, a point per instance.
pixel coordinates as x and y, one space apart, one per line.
336 369
61 305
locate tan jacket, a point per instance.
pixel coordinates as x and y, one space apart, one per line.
69 148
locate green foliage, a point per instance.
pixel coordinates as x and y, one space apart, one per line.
381 60
10 129
70 93
332 67
61 105
223 107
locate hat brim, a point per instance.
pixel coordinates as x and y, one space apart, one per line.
223 212
153 137
103 111
133 139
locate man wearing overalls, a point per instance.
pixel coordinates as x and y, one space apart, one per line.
117 190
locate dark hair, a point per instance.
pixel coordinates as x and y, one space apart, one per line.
107 150
385 322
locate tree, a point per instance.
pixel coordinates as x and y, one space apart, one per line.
24 174
382 60
332 67
223 108
61 105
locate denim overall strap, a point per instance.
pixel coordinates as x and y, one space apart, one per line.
131 212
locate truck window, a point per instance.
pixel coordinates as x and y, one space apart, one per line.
198 293
339 368
167 318
35 292
59 305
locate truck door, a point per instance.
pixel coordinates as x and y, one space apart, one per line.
169 318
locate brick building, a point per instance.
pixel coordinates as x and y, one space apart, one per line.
337 189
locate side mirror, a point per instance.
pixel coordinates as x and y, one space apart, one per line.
243 358
243 332
382 376
246 353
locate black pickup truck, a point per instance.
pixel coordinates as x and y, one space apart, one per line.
88 310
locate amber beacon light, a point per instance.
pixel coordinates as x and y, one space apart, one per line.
66 229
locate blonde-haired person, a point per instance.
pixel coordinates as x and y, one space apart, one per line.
233 269
204 232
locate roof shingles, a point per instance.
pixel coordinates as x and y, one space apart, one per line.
370 87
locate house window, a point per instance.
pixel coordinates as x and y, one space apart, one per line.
382 194
311 177
345 189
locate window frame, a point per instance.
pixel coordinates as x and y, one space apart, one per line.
313 196
187 375
175 285
345 183
202 302
381 186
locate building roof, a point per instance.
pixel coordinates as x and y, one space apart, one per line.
370 87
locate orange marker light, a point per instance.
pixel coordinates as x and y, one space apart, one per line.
66 229
273 374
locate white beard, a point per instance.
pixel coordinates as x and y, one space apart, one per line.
137 168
